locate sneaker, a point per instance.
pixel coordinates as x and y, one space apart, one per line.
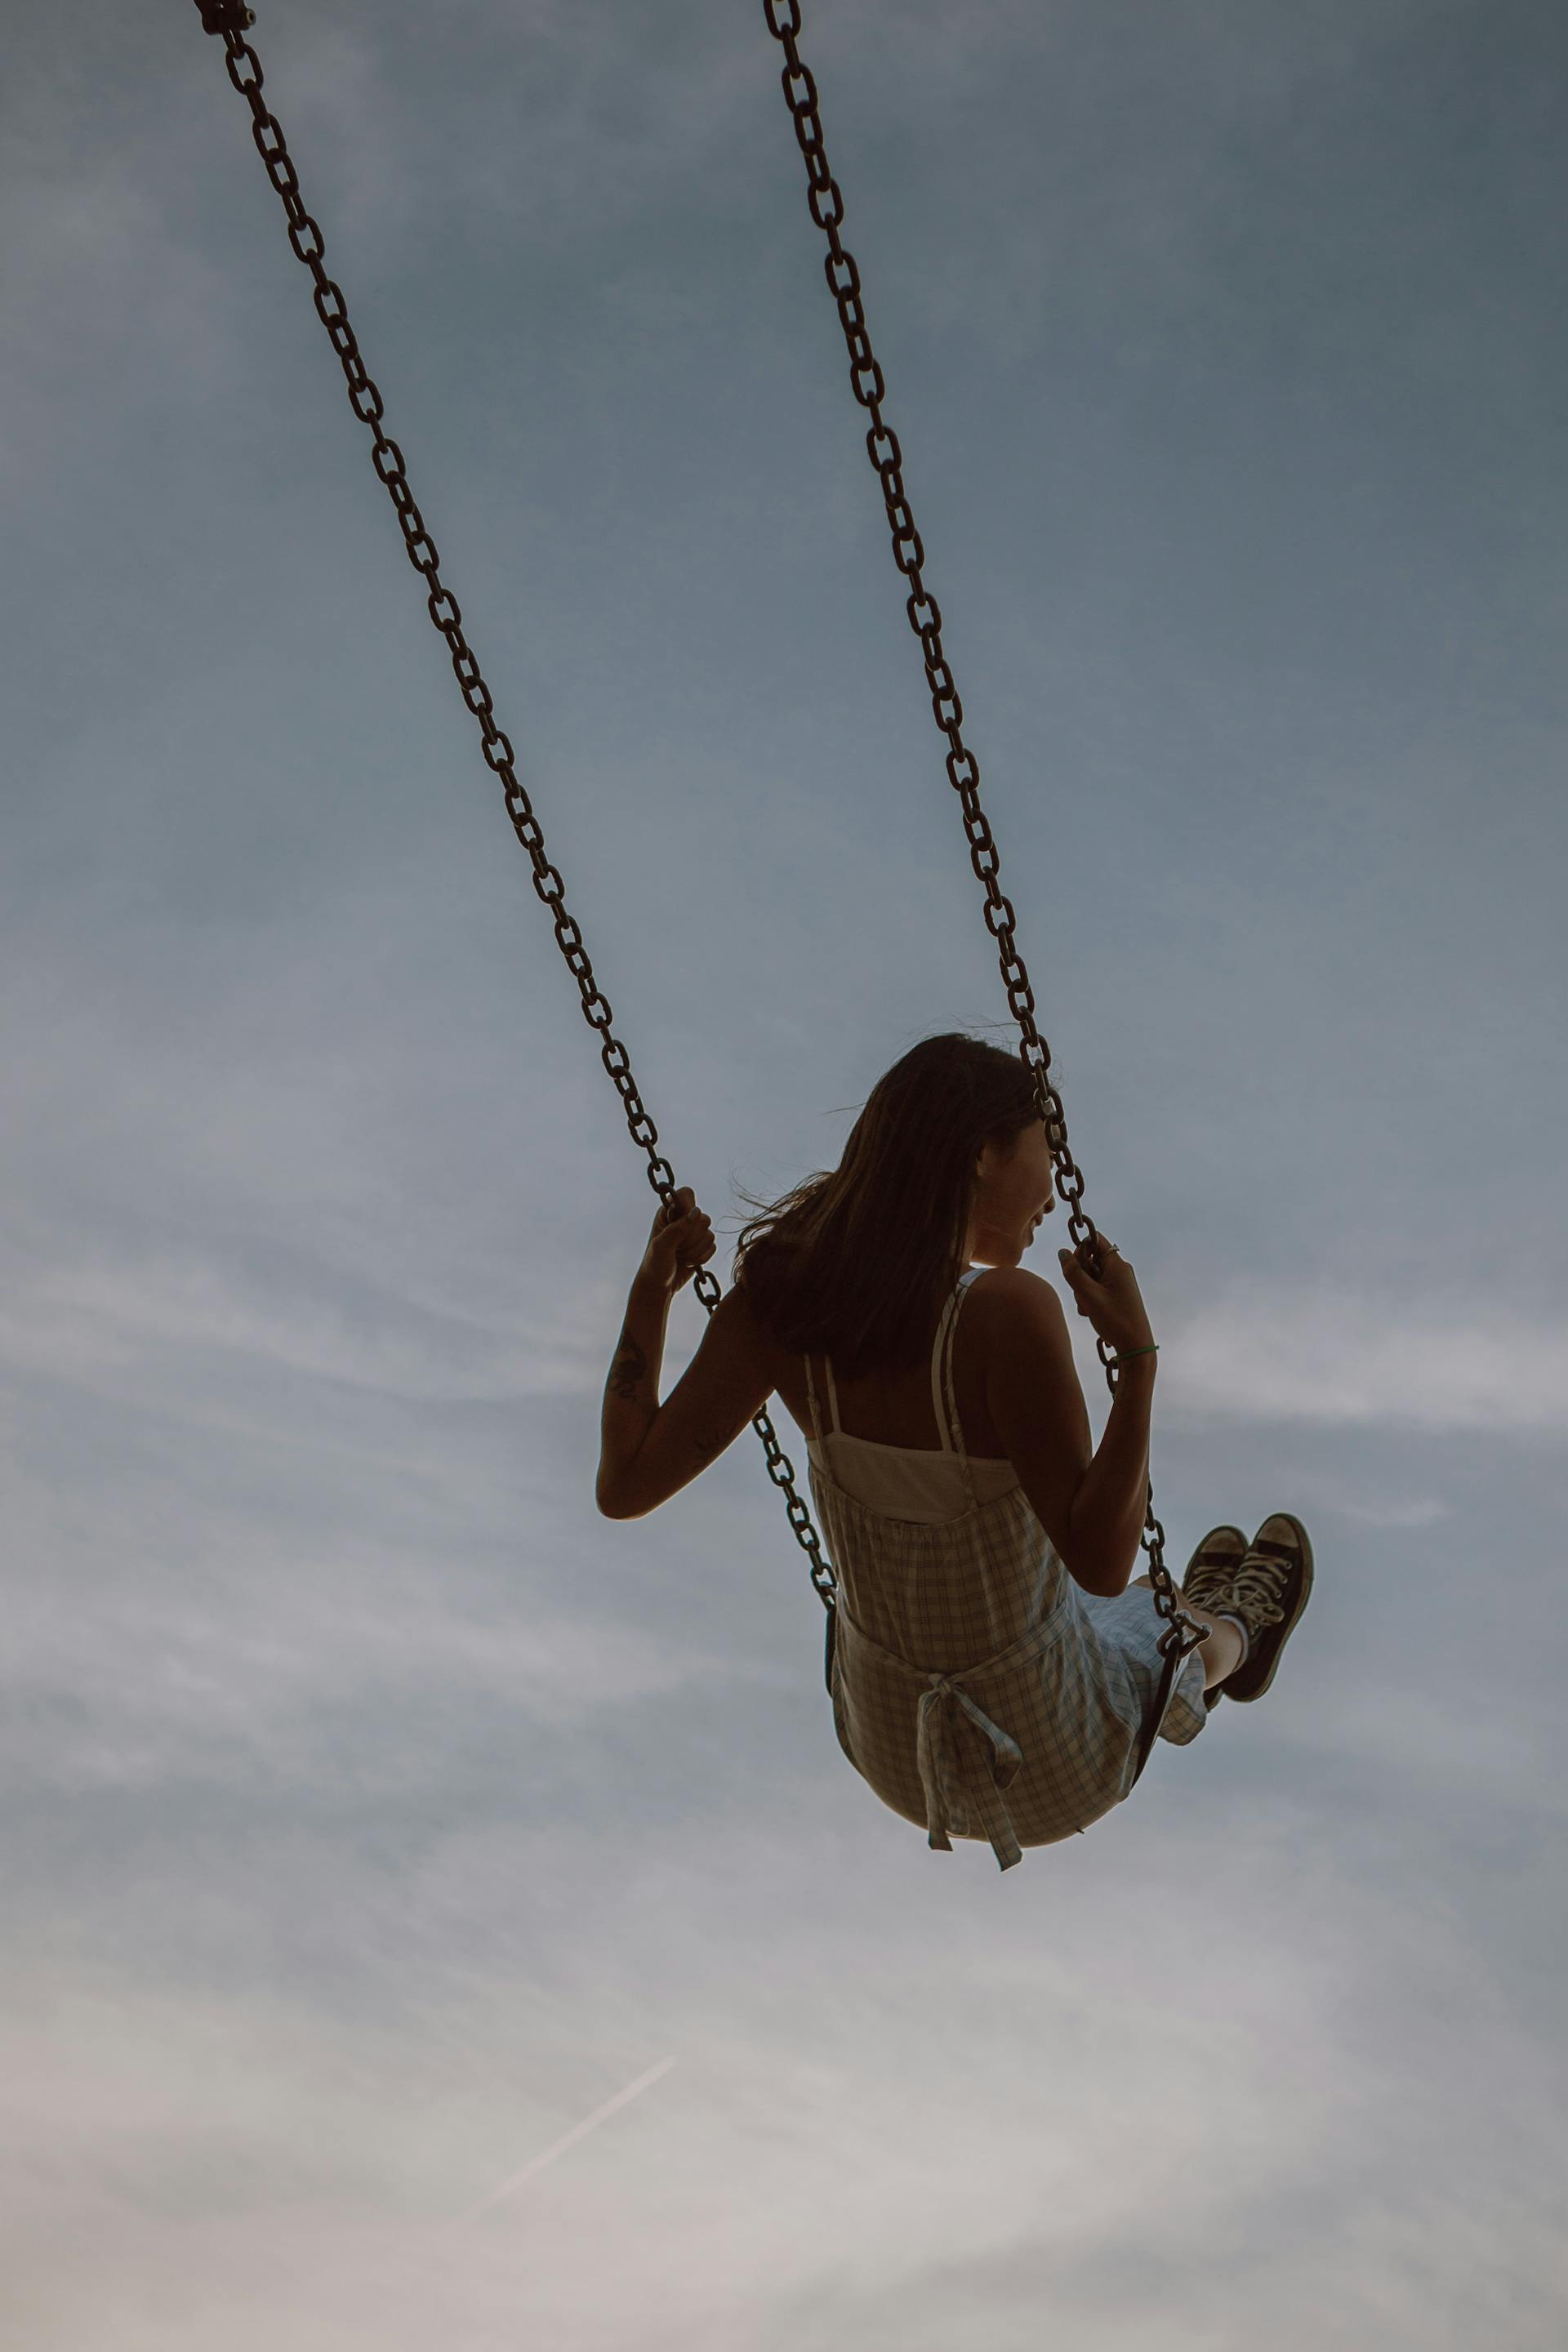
1208 1573
1268 1588
1207 1581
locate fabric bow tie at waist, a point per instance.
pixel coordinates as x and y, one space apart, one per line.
959 1803
937 1753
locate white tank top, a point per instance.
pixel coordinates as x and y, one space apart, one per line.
908 1482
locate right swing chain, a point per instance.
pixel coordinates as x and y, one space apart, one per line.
827 203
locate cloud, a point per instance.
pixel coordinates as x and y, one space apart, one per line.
910 2113
1317 1352
1442 1732
1421 1511
253 1626
114 1318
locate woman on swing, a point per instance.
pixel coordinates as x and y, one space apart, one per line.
995 1670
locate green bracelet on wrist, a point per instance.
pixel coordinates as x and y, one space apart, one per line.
1127 1358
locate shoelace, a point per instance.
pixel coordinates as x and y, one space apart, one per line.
1211 1587
1256 1590
1252 1589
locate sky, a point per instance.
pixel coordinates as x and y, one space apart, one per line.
435 1914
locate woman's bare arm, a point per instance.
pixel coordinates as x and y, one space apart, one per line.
649 1450
1091 1502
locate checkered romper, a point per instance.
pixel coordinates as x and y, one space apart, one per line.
975 1686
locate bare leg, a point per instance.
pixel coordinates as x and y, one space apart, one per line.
1221 1651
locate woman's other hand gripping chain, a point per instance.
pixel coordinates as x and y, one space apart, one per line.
681 1240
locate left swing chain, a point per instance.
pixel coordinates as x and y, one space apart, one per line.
230 20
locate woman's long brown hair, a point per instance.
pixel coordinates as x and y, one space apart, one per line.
855 1263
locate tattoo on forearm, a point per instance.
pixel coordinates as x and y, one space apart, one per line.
626 1371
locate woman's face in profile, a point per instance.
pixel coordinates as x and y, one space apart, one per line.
1013 1190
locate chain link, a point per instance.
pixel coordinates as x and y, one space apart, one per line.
826 201
228 19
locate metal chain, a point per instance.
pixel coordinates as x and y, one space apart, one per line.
229 19
827 203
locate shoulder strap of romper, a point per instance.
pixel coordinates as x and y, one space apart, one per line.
955 1306
941 1391
938 1359
811 1395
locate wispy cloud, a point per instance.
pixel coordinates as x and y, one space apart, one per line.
239 1653
1327 1354
117 1316
1419 1511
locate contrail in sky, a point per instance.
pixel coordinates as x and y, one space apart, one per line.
568 2139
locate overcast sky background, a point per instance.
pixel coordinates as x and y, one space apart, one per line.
374 1812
